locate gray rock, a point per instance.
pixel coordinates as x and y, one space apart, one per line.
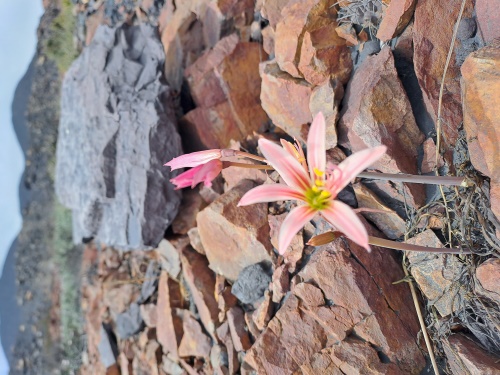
129 322
116 131
252 282
150 283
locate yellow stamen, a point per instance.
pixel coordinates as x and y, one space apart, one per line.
318 173
324 194
315 189
319 183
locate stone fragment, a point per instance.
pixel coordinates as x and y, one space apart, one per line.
252 282
239 335
195 240
309 294
307 45
182 39
169 258
262 314
268 40
432 30
224 297
189 208
130 322
326 99
150 283
201 281
488 19
218 359
117 129
365 123
360 300
171 367
286 100
347 32
169 325
234 237
465 356
435 273
480 85
194 342
271 10
224 335
388 221
149 314
107 348
429 157
234 175
280 283
396 17
119 298
225 85
324 55
488 275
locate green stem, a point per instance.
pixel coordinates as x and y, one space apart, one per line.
418 179
375 241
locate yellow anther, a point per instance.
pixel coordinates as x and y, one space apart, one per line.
318 173
315 189
319 183
324 194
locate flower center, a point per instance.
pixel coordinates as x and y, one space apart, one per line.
317 197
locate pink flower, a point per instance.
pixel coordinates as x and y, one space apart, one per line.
202 173
314 184
194 159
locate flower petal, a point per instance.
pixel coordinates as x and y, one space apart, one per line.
355 164
295 220
270 193
343 217
207 172
185 179
316 153
285 164
194 159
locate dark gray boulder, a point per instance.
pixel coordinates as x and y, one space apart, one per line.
117 129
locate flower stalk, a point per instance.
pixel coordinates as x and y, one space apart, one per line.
417 179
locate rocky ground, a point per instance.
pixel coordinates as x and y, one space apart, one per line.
193 284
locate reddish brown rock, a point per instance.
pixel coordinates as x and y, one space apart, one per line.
201 282
119 298
236 321
194 343
365 303
225 336
234 237
388 221
195 240
466 357
347 32
182 38
307 45
92 23
432 30
225 85
149 314
435 273
262 315
488 19
324 55
396 17
169 325
365 122
488 275
429 158
268 40
326 99
481 105
190 206
234 175
281 283
309 294
169 258
286 100
271 10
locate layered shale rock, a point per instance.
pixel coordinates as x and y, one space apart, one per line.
116 131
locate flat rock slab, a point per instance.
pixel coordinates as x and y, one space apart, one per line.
116 131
